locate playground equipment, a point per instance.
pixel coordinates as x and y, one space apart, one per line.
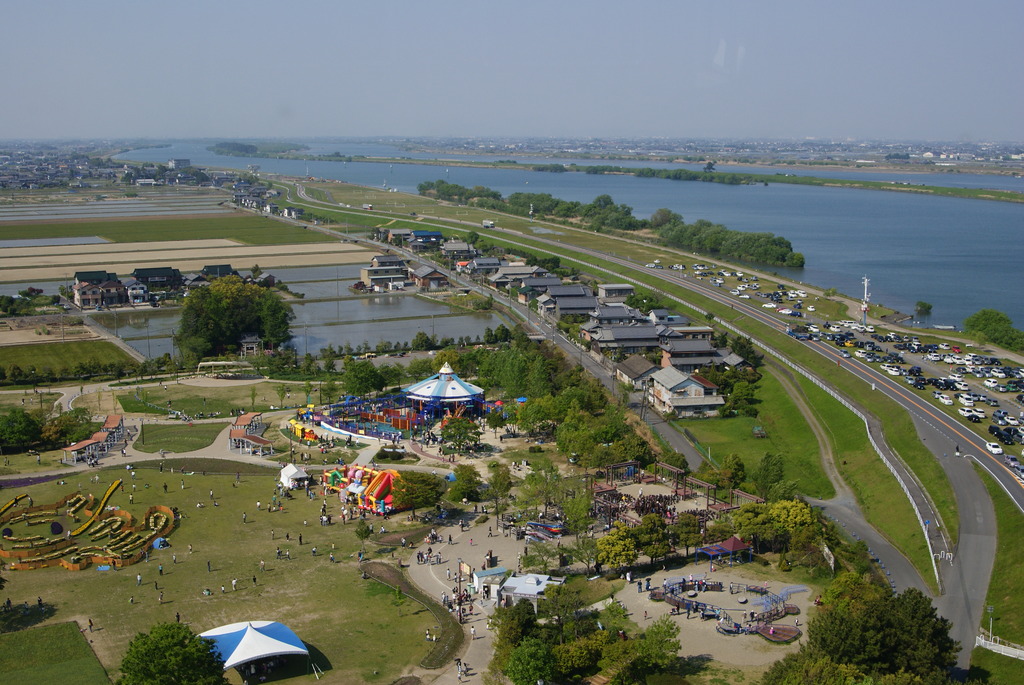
544 532
369 487
677 593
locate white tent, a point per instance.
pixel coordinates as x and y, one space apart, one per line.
240 643
290 474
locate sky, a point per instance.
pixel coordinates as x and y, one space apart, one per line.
899 70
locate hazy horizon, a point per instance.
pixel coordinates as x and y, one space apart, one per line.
921 71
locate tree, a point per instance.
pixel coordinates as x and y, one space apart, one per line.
467 484
617 548
768 473
561 603
171 654
461 432
68 427
531 662
496 419
18 428
584 550
415 490
686 531
363 531
922 308
576 511
361 378
651 536
499 487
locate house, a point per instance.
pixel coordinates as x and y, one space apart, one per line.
610 314
382 260
137 291
635 371
487 582
429 278
664 316
384 269
688 354
614 292
158 277
458 249
399 236
293 212
94 276
672 391
182 163
483 265
421 241
513 274
569 306
90 295
623 339
212 271
529 586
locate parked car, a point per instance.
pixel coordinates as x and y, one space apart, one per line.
993 448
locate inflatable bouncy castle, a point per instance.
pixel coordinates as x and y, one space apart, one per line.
368 488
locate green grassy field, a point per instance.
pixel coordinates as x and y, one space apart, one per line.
178 438
191 400
348 623
251 230
62 354
57 653
788 435
27 399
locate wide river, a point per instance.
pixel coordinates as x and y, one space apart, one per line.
959 255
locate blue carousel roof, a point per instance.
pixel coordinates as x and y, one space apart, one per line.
444 387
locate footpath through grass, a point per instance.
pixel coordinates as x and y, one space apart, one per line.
880 498
57 653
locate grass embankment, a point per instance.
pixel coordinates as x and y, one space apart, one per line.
58 653
178 438
788 436
1003 591
336 613
248 229
61 355
880 498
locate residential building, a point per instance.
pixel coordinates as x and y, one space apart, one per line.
635 370
614 292
458 249
158 277
137 291
90 295
212 271
682 394
429 278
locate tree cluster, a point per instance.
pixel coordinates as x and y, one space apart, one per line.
215 318
716 240
20 429
865 634
995 327
565 643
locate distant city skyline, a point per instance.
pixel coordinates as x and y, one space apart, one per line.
913 70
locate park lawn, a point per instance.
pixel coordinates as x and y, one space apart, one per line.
178 437
58 355
28 400
192 400
788 435
328 605
57 653
248 229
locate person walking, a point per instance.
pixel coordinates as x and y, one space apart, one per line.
234 584
160 599
90 625
138 579
472 632
177 617
244 517
208 568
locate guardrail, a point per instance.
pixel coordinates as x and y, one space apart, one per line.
999 645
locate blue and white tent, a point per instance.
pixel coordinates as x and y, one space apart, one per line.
240 643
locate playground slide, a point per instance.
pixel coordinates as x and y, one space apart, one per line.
379 489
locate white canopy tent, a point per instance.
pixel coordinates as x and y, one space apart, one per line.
291 473
240 643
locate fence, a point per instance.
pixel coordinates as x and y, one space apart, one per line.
999 645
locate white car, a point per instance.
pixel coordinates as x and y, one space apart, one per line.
744 296
769 305
1012 420
943 346
785 311
994 448
990 383
944 399
811 308
965 400
965 412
